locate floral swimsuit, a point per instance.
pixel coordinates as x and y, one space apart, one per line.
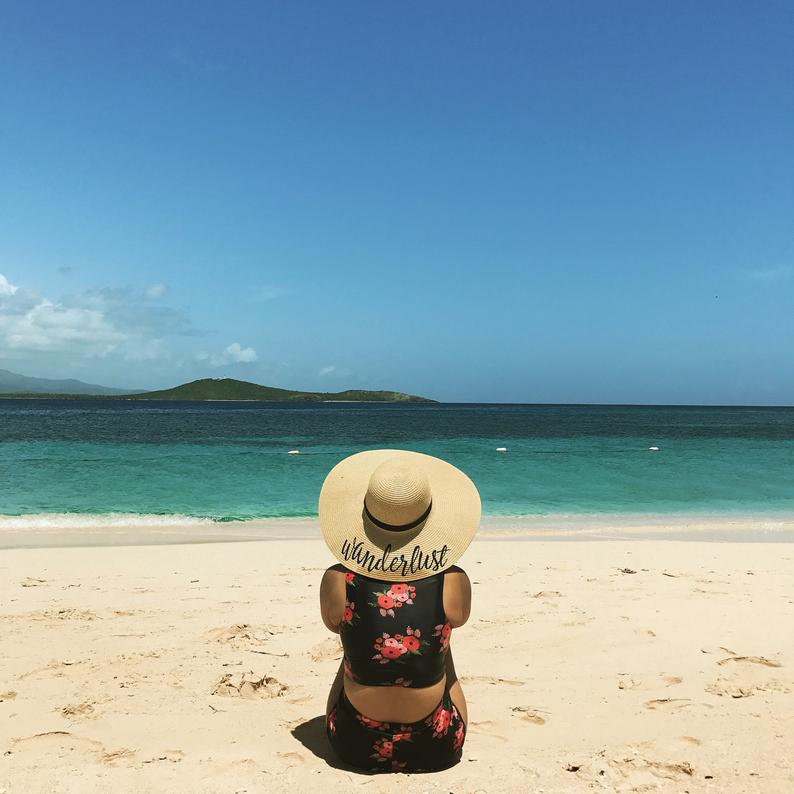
395 634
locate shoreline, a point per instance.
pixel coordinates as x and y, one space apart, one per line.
88 530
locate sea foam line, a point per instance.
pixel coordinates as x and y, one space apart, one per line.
58 521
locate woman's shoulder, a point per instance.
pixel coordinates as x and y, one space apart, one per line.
455 575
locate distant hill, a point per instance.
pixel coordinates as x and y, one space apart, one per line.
11 382
204 389
230 389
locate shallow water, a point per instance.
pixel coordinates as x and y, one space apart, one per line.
228 461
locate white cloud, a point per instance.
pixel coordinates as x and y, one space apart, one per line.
93 323
43 326
235 353
327 370
6 287
239 354
155 291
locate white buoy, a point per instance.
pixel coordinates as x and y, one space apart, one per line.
501 449
294 452
653 449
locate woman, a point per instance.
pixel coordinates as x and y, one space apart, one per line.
397 522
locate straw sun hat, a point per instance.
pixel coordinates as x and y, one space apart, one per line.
396 515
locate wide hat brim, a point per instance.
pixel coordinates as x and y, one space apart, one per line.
404 555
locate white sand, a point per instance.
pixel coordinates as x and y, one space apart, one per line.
679 677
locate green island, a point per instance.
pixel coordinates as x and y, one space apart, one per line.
209 389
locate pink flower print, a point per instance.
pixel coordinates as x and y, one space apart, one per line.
397 596
347 617
457 742
401 594
383 750
401 737
401 682
443 631
350 577
441 720
388 648
332 721
392 651
385 604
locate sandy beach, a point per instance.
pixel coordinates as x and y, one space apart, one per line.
623 665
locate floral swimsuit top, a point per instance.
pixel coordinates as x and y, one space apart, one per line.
394 633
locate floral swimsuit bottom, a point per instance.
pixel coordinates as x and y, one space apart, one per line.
426 745
395 634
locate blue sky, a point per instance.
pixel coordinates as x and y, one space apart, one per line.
530 202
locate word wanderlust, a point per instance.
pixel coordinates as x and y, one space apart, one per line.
434 560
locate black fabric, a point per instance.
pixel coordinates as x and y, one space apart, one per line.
427 745
394 633
397 527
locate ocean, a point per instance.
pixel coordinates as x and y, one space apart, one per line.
169 462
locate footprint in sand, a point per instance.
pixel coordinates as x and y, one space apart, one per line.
529 714
627 681
249 686
751 660
327 649
629 766
746 675
241 635
30 581
7 696
79 711
291 756
56 742
122 757
548 594
667 703
65 614
485 728
55 669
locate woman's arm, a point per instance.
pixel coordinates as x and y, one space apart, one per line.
332 599
457 596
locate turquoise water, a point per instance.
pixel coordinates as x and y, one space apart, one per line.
229 461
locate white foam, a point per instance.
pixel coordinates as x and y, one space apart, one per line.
57 521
